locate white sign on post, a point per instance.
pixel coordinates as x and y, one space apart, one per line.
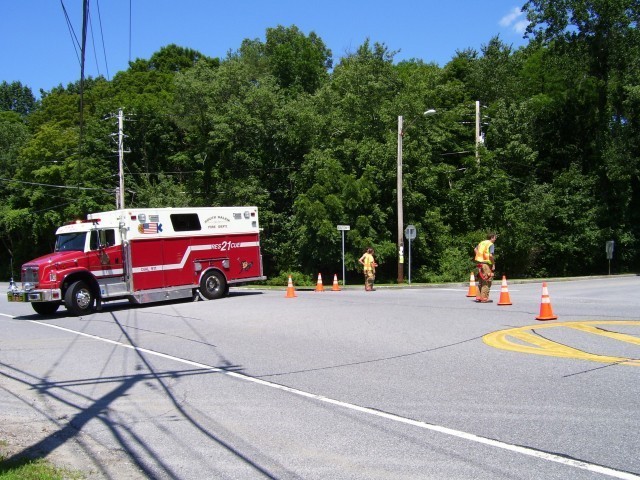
609 249
410 233
343 228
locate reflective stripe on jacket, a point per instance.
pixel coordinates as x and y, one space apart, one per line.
483 253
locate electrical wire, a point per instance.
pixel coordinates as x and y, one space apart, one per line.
104 47
56 206
130 31
93 42
54 186
72 33
170 173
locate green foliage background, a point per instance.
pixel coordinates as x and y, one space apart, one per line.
276 124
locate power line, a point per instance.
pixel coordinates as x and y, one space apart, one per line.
85 16
130 31
163 173
56 206
72 33
53 186
104 47
93 43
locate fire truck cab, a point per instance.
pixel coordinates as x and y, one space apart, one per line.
144 255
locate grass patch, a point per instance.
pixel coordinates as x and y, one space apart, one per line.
30 469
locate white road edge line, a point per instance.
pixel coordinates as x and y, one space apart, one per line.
389 416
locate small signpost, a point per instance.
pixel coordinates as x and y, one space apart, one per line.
410 233
343 228
609 249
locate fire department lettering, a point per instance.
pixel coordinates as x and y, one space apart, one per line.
225 246
217 219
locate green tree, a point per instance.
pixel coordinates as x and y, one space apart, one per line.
17 98
14 133
603 36
297 61
171 59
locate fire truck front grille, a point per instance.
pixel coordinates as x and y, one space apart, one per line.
30 275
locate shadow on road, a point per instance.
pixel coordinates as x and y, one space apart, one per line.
145 457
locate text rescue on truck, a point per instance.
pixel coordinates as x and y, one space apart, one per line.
144 255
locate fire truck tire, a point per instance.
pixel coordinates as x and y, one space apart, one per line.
79 299
45 308
213 285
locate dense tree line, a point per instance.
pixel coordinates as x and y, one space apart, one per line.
276 124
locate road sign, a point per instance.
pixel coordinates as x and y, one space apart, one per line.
410 232
609 249
343 228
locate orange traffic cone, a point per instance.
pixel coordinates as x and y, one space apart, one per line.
291 293
319 286
546 312
473 290
336 286
505 298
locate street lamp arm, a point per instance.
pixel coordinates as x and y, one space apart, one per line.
426 113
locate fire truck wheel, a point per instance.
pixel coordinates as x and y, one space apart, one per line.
213 285
45 308
79 299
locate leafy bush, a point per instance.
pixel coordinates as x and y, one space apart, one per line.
455 265
298 279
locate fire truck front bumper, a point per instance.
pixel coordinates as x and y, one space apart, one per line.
49 295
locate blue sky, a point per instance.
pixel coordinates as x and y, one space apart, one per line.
37 49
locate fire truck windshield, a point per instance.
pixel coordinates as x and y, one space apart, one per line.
70 241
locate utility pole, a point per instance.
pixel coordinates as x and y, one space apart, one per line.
121 152
399 201
121 156
85 18
478 133
401 130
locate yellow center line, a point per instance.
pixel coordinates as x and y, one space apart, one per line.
623 337
528 342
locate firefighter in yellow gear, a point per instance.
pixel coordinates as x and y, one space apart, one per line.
369 267
486 267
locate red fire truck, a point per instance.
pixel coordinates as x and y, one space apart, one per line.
144 255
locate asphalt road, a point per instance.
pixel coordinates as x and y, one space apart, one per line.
412 383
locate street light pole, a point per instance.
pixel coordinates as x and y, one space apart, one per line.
399 191
400 212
